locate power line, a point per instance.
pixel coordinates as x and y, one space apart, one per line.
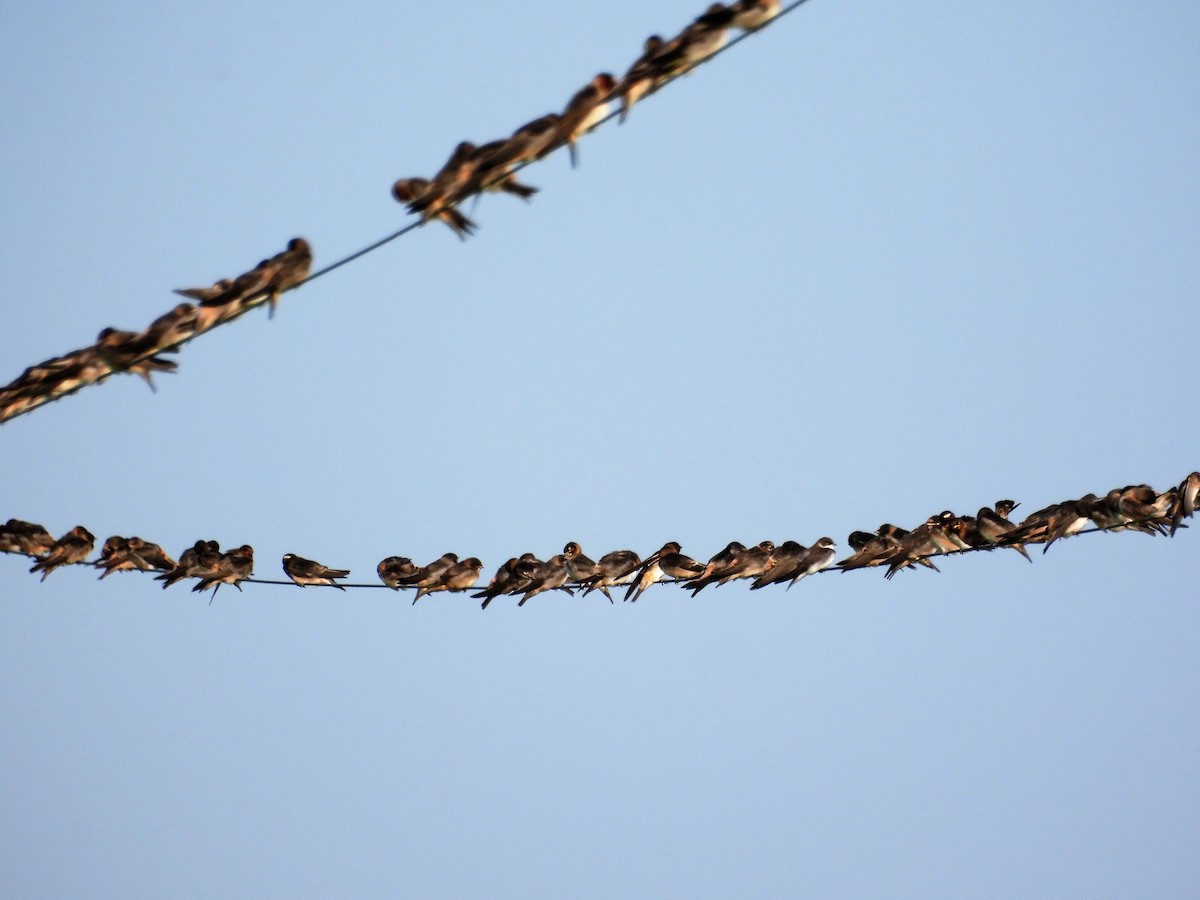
52 396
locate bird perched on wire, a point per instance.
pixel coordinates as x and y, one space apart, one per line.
667 562
394 570
459 577
306 572
584 111
750 14
26 538
73 547
129 351
615 568
232 567
411 190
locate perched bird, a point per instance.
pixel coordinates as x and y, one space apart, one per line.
873 549
127 351
25 537
722 559
150 556
169 329
579 565
667 562
411 190
394 571
750 14
535 139
928 539
233 567
645 74
617 567
787 559
459 577
816 558
513 577
305 572
994 525
455 173
287 269
549 575
115 556
430 575
1185 501
73 547
190 563
494 171
700 40
584 111
739 563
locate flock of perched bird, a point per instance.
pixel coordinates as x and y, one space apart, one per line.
138 351
470 170
473 169
1130 508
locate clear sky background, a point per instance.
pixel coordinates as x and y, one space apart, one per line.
877 261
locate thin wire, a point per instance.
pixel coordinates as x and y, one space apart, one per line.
48 398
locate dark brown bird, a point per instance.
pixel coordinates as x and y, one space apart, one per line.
584 111
667 562
128 351
394 571
25 537
410 190
73 547
549 575
233 567
306 572
459 577
615 568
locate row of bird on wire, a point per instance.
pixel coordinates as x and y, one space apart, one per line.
1131 508
470 170
473 169
138 352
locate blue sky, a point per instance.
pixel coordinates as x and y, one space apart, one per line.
875 262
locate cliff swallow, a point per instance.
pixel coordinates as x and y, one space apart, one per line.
459 577
535 139
667 562
993 525
410 190
816 558
286 270
549 575
73 547
233 568
722 559
579 564
584 111
514 577
745 563
115 556
168 330
645 73
751 14
700 40
1185 501
306 572
612 569
150 556
494 171
430 575
928 539
231 302
27 538
189 563
1144 508
394 571
125 351
785 562
456 172
873 549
